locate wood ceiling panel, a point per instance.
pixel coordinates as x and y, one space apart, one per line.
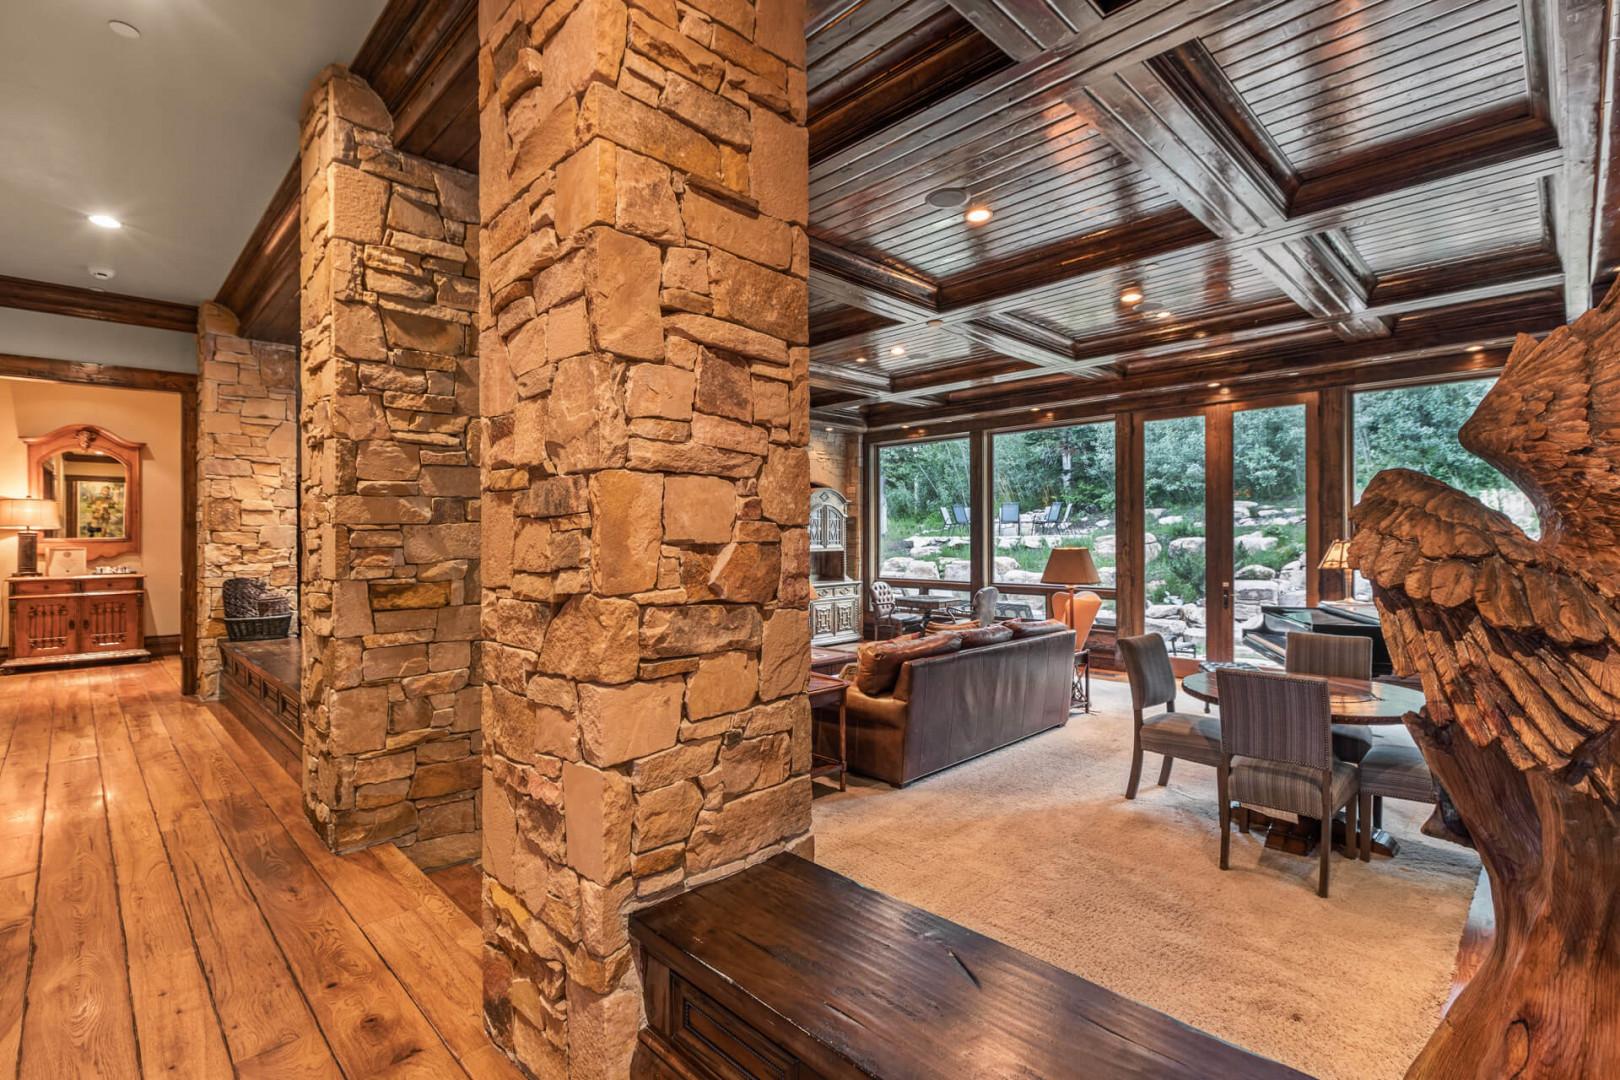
1047 177
1341 77
1453 228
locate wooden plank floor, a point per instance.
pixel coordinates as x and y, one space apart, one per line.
165 911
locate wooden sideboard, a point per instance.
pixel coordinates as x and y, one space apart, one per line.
74 620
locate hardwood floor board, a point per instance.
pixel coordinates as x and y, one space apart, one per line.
373 1027
77 1019
175 1021
166 910
269 1029
464 884
16 926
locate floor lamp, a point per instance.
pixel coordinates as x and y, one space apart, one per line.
28 516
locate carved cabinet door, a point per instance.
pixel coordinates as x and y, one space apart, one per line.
109 622
43 625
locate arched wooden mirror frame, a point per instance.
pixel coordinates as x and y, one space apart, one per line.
78 438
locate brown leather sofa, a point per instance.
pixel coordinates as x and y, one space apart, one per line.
949 708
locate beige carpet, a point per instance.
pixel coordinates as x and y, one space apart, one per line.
1035 845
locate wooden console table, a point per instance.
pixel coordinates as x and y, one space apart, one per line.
790 970
828 692
57 621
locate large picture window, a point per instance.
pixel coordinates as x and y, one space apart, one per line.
1053 487
1415 427
923 518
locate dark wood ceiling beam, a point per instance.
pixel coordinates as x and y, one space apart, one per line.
81 303
1268 329
1024 29
1566 42
1418 355
1155 114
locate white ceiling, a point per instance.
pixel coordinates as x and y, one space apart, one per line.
183 134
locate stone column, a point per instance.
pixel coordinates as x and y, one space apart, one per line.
643 184
247 472
390 510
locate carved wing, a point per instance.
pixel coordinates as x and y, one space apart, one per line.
1517 641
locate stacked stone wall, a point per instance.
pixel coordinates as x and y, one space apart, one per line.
391 485
643 185
247 470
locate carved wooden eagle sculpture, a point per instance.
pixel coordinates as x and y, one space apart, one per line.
1517 643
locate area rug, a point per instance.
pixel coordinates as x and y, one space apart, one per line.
1036 845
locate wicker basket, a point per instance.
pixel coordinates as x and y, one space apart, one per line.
258 627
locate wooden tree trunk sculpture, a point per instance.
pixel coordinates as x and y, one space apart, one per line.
1517 642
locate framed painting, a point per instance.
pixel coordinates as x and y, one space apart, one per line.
96 509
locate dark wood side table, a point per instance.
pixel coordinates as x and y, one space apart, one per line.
830 661
828 692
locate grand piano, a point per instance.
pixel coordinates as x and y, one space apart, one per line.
1270 638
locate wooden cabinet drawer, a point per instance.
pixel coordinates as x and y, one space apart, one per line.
709 1033
113 583
42 587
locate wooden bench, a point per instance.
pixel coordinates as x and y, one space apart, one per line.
790 970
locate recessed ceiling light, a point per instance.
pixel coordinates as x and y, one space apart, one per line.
123 29
101 273
935 324
1214 386
860 359
1131 296
1476 348
898 350
1162 313
978 215
947 198
105 221
827 430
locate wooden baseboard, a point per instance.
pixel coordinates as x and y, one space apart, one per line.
163 645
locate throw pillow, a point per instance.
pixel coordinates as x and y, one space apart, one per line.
879 662
994 634
1023 628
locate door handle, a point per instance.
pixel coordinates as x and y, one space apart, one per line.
1226 596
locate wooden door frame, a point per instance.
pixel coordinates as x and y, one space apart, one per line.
183 383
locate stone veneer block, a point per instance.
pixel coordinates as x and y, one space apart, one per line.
391 592
643 184
247 445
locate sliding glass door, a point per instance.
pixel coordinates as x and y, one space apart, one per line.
1268 516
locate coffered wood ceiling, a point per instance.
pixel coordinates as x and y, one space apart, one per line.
1291 184
1296 186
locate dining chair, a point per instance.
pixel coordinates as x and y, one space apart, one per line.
1392 769
1277 753
885 615
1335 656
1170 733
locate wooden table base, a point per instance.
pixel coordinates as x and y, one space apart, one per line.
1300 837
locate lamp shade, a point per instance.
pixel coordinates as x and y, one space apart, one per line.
1337 556
1070 566
29 514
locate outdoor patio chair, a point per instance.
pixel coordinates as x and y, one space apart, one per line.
945 513
1009 516
964 519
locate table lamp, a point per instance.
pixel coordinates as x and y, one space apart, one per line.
1070 566
28 516
1338 558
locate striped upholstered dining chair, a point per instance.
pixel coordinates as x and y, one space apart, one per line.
1172 734
1336 656
1277 753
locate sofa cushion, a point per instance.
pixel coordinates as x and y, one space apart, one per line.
1023 628
879 662
994 634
